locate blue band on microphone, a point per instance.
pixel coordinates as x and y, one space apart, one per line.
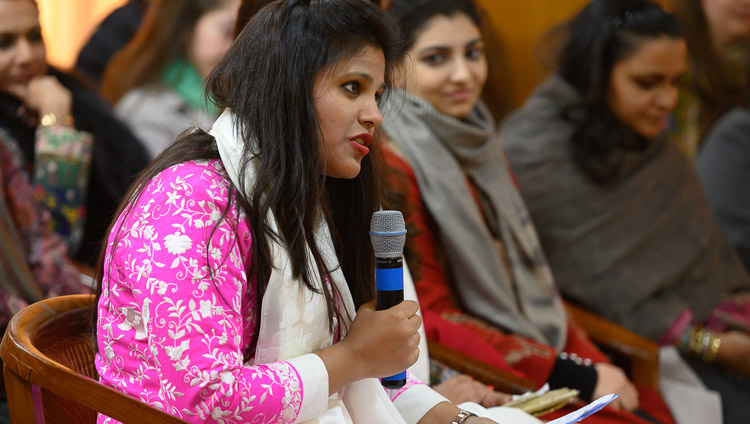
395 233
389 279
399 376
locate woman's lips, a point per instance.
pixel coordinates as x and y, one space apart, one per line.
361 141
21 79
460 95
659 121
361 148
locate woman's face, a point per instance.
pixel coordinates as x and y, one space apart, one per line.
22 53
449 64
212 36
643 87
728 20
345 99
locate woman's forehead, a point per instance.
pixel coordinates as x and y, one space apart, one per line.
18 16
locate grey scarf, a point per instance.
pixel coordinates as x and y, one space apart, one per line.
443 151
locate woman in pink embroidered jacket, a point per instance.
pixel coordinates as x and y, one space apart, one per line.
231 277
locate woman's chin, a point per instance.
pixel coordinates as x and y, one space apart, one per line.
349 173
458 112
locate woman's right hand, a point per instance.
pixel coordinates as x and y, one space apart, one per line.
385 342
43 95
612 379
379 344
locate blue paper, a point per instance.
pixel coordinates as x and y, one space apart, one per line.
586 411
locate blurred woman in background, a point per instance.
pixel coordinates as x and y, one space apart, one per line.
718 39
81 157
619 210
482 280
156 81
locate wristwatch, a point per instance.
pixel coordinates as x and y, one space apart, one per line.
50 119
462 417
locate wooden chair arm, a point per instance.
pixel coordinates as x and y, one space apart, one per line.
24 363
502 380
641 353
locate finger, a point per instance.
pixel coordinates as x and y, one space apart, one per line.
482 393
616 404
630 402
369 305
415 357
408 307
415 322
414 341
16 90
494 399
462 378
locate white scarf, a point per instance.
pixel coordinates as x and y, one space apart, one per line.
293 318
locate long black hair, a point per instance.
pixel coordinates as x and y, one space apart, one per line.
266 79
413 14
714 79
602 34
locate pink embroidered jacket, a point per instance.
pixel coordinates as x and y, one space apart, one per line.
173 337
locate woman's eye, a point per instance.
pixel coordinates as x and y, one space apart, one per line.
352 87
474 53
6 41
645 84
434 59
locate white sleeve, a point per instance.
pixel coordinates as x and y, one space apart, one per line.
314 376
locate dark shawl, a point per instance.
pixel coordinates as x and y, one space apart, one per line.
637 252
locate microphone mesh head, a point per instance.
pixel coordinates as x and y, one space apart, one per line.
387 233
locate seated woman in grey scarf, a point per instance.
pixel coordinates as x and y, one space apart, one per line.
481 277
619 210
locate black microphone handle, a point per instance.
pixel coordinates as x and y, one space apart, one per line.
387 299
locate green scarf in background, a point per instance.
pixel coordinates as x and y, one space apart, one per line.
182 77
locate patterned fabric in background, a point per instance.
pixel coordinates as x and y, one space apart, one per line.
60 178
34 261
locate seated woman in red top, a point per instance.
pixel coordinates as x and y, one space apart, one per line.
483 282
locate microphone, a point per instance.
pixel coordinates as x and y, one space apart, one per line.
388 235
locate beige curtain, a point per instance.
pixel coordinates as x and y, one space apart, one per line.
67 25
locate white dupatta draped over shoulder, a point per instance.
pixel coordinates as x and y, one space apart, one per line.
294 320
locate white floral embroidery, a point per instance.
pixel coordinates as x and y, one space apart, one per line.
177 243
170 334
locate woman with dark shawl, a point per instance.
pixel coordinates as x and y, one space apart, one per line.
81 158
619 210
482 280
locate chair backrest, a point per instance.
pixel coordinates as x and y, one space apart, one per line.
48 366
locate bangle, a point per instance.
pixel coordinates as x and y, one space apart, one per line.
462 416
700 342
713 348
50 119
